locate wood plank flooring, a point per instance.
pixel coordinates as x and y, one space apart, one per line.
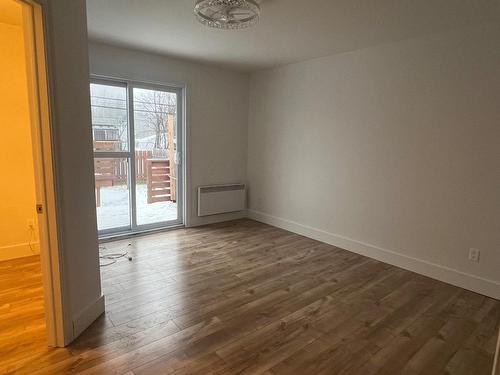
246 298
22 319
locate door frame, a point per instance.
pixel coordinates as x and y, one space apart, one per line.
40 75
180 91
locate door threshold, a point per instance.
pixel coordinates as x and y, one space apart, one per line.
125 235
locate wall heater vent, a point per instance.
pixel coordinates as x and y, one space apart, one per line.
219 199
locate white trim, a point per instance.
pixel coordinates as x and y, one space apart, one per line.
88 316
40 79
496 365
19 250
186 156
448 275
129 234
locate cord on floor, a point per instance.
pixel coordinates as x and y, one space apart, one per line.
112 258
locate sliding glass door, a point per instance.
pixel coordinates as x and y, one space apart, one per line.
137 154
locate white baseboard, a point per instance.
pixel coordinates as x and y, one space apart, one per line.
19 250
496 359
448 275
88 316
197 221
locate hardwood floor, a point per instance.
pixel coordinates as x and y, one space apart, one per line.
22 319
246 298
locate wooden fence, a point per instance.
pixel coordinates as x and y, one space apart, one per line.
141 166
150 168
117 169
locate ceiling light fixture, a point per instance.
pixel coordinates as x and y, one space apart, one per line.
227 14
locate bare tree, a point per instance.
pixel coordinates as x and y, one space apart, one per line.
155 106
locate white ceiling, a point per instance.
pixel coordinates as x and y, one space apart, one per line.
289 30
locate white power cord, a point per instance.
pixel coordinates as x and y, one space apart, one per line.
32 237
112 258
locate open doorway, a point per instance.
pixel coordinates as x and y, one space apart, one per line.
21 287
31 317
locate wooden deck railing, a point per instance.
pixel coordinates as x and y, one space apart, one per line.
158 180
149 168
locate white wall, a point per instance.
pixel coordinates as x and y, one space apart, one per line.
217 125
217 114
68 56
391 151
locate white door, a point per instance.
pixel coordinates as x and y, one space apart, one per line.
137 147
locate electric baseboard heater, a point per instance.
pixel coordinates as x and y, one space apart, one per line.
220 199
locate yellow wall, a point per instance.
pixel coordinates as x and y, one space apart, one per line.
17 185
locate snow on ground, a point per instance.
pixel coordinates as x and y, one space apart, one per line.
114 209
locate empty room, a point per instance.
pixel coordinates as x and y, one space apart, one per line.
250 187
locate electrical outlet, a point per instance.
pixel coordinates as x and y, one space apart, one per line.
31 224
474 255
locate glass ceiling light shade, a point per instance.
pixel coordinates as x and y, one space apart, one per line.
227 14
